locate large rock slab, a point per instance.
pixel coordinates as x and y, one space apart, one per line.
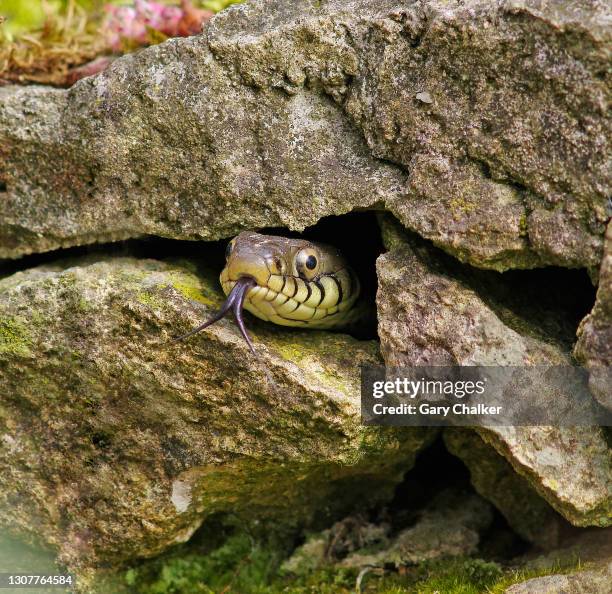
116 443
481 125
494 137
434 311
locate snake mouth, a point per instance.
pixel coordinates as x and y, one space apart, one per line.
234 302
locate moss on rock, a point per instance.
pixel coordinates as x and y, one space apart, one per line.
117 443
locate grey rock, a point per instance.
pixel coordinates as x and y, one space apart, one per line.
116 443
278 115
448 526
433 311
591 546
494 479
596 581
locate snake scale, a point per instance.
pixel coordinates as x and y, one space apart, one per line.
290 282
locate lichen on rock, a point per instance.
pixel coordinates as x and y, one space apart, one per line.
291 113
117 443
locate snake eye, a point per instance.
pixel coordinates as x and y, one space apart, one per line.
307 263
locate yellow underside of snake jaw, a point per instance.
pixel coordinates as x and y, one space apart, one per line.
297 303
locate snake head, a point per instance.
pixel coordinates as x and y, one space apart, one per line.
291 282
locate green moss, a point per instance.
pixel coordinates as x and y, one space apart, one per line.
523 229
314 346
84 306
190 287
243 565
150 299
462 205
14 337
290 351
238 565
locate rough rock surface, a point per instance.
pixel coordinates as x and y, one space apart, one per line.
115 443
451 525
480 124
434 311
594 346
595 581
591 549
493 478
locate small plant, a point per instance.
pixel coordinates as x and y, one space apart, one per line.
58 42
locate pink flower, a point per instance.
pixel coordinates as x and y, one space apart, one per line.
123 22
159 16
133 23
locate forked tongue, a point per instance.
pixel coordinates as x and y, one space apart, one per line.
234 302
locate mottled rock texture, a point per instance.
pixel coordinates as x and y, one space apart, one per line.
594 346
480 124
433 311
116 443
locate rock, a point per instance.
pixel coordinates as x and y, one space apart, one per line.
116 443
309 556
166 142
587 550
567 466
591 546
594 346
495 480
350 536
595 581
278 116
449 526
433 311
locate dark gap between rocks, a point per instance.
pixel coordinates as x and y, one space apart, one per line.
552 299
435 470
548 303
567 295
356 235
